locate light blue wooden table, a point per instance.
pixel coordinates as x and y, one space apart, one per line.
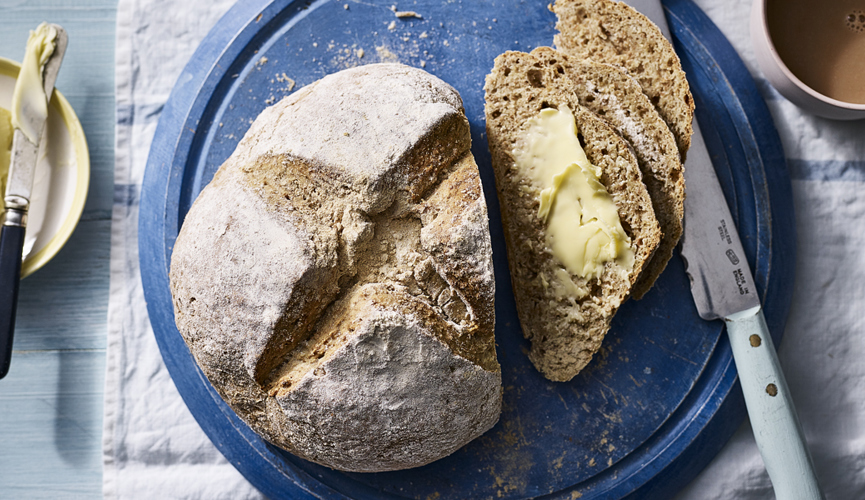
51 401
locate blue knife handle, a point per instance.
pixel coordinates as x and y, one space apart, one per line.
11 248
770 408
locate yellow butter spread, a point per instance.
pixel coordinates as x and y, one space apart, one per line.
582 224
5 151
29 95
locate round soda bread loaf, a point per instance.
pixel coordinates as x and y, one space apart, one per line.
614 33
565 316
334 281
618 99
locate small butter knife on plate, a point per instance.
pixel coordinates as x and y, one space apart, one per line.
25 148
723 288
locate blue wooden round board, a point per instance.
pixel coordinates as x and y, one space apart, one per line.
660 398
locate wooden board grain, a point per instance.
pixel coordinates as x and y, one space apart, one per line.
51 425
74 285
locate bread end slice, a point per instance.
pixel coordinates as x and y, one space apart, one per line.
614 33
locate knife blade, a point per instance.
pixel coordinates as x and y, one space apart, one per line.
722 286
29 129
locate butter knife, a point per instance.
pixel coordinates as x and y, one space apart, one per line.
723 288
19 185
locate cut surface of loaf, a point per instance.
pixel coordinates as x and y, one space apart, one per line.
565 316
334 281
614 33
618 100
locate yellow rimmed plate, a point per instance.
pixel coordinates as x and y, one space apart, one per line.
61 179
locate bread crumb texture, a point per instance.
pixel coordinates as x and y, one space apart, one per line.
565 328
614 33
334 281
618 100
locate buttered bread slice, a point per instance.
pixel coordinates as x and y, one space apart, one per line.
618 100
578 220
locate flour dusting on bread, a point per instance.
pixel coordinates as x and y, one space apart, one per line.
334 281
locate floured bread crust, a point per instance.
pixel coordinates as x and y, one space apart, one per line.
334 281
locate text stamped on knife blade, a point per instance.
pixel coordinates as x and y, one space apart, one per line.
738 273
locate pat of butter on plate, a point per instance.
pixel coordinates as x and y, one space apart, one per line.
61 179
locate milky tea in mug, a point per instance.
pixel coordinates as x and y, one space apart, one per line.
822 42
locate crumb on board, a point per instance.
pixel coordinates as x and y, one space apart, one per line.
345 6
343 56
261 61
407 13
404 13
283 78
403 48
386 55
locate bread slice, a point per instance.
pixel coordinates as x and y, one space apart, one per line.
334 281
564 315
614 33
618 100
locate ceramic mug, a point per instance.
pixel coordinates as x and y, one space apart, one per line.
824 45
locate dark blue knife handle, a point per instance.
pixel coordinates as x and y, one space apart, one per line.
11 248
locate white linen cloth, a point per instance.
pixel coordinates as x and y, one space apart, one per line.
153 448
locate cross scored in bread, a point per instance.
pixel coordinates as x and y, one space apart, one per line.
334 281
